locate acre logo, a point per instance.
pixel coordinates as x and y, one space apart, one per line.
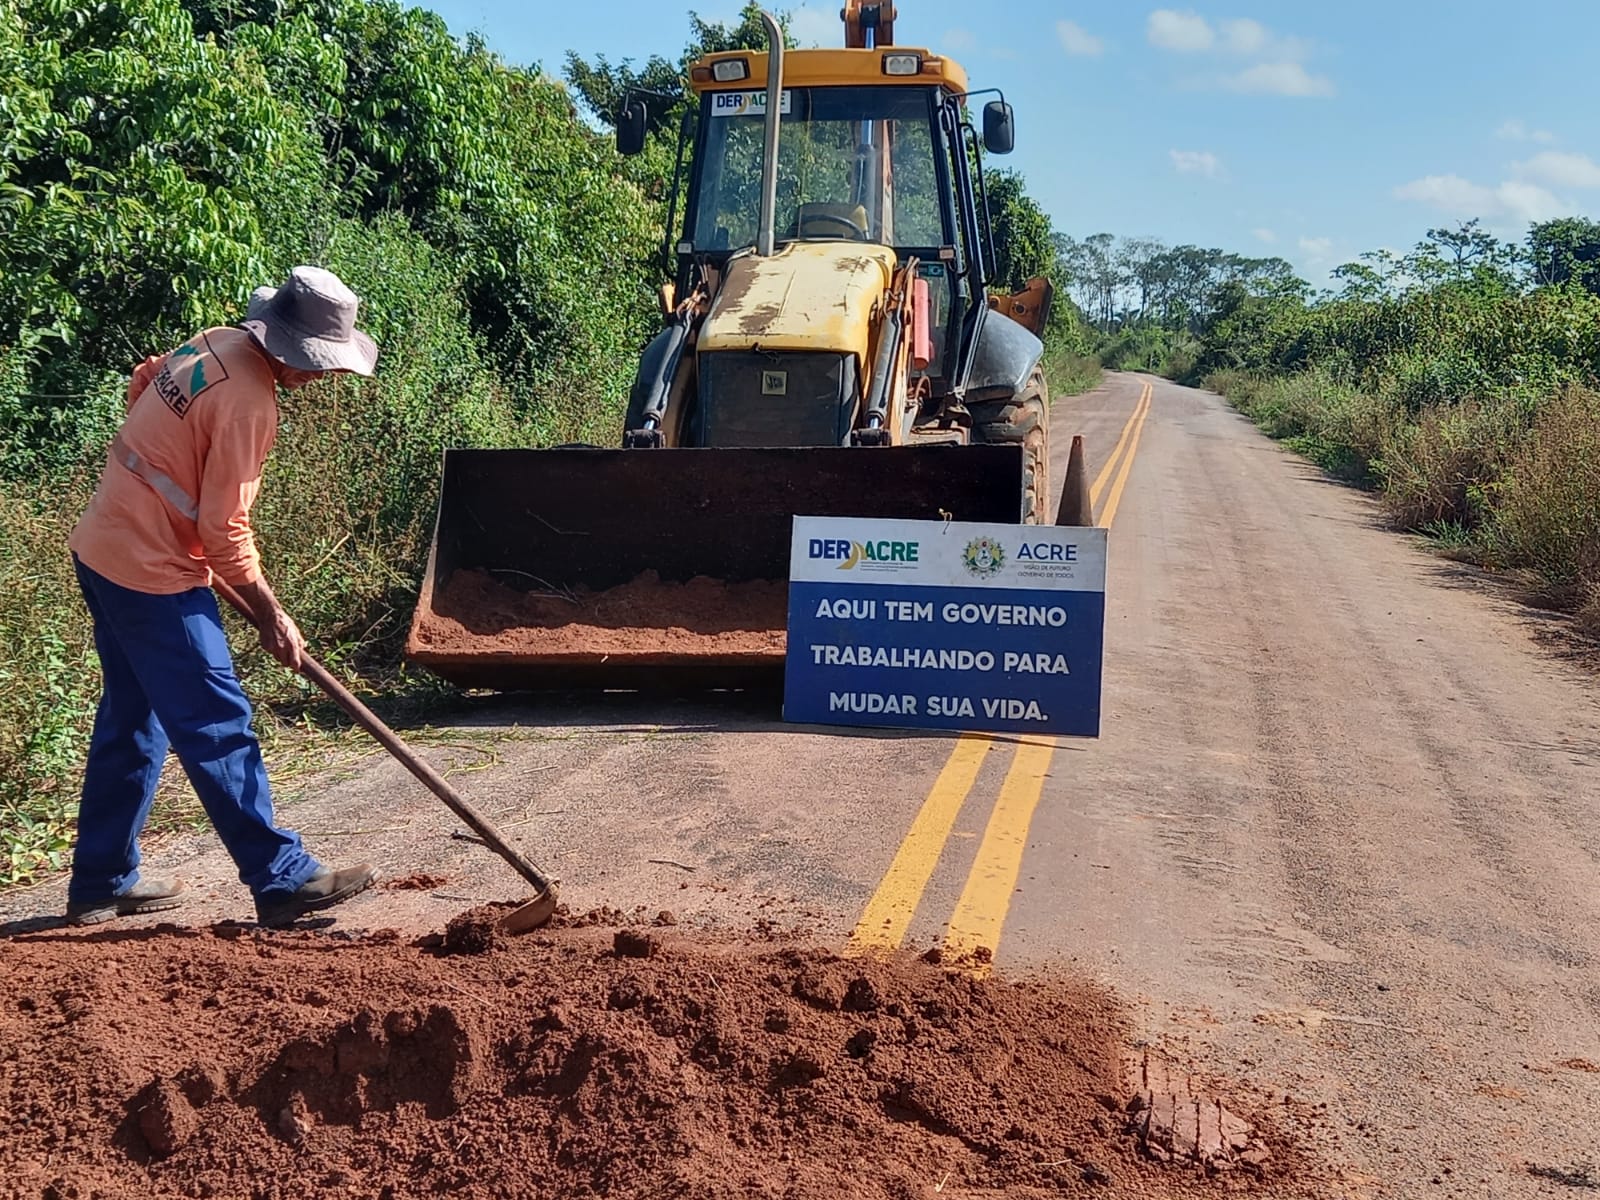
983 557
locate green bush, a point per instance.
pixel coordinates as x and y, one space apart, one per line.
1069 367
1344 430
1172 353
149 178
1071 374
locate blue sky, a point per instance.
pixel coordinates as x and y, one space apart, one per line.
1310 130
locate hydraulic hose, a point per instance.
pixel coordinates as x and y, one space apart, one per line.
662 369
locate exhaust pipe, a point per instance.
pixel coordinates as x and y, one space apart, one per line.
766 232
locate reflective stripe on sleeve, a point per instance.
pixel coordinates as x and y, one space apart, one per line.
163 484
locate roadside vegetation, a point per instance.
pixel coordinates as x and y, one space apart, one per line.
1459 381
159 159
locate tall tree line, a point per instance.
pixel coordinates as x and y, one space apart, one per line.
1118 282
1132 282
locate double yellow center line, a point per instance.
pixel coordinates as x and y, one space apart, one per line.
1132 430
981 911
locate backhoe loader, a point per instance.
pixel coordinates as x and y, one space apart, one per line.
829 348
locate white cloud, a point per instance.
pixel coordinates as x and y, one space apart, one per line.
1252 39
1265 235
1527 202
1274 59
1450 193
1279 79
1561 170
1517 131
1188 32
1184 32
1511 200
1196 162
818 25
1078 40
1245 36
958 40
1318 249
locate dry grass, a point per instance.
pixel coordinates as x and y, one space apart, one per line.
1070 374
1443 468
1589 614
1547 510
49 676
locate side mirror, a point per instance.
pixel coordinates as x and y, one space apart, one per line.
999 128
632 122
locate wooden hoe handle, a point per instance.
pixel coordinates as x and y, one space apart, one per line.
390 741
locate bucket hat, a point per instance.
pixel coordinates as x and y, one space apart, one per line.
310 324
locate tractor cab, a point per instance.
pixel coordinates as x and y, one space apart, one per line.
876 148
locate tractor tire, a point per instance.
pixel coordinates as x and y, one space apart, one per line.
1022 420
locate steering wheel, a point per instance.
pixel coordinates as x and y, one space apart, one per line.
855 231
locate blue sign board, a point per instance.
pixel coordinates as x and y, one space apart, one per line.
943 625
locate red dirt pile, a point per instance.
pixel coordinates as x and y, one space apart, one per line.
474 613
580 1062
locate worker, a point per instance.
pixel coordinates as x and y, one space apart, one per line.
172 509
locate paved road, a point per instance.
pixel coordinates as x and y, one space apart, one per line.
1341 836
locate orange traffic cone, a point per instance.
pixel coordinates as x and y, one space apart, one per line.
1075 507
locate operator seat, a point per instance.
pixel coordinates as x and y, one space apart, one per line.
822 219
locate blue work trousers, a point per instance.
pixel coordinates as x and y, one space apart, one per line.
169 682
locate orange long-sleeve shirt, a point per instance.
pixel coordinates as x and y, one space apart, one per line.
173 503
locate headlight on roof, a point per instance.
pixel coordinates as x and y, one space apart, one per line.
730 70
902 64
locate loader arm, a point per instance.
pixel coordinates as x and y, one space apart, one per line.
868 25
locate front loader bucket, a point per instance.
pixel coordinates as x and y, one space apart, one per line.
581 567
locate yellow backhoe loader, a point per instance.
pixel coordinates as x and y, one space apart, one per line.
830 348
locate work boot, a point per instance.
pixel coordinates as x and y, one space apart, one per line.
324 889
145 896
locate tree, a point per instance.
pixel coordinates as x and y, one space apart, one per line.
1565 251
1272 278
1193 275
132 156
1144 264
1465 253
1089 269
1361 283
603 85
1024 243
490 162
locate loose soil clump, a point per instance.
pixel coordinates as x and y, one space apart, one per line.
156 1062
476 931
647 618
421 881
